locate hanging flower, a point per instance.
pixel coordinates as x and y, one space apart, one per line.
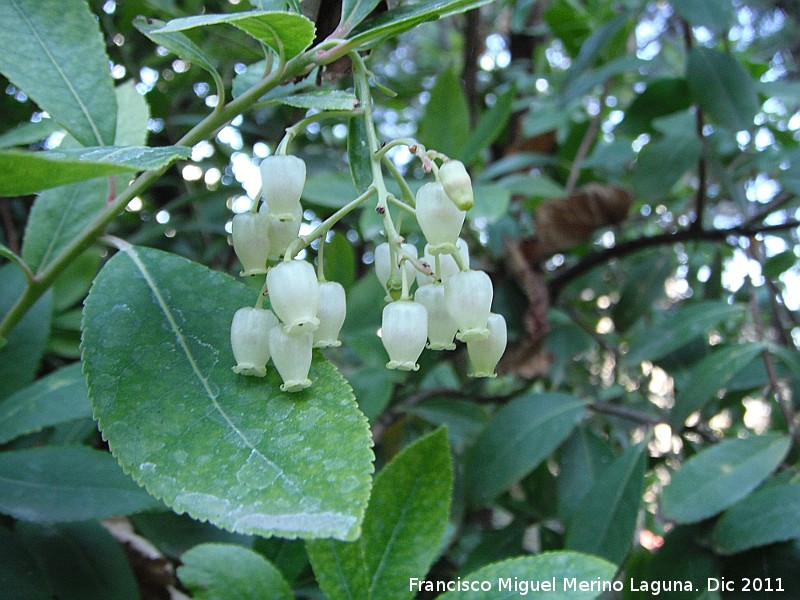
439 219
485 354
282 181
294 294
468 297
404 330
250 340
457 184
388 272
250 232
291 355
441 327
331 314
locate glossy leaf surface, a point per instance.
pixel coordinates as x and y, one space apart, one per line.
225 448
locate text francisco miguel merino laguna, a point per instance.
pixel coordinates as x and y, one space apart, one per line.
554 584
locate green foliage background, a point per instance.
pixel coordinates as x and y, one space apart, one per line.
636 170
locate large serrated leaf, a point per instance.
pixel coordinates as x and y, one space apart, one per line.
606 520
58 216
408 16
225 571
65 67
520 436
56 398
766 516
28 172
718 476
403 527
228 449
567 570
67 483
286 33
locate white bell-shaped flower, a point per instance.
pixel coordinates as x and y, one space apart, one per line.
485 354
441 327
457 184
388 272
439 219
468 297
250 340
291 355
282 181
281 233
404 331
250 232
447 264
294 294
331 314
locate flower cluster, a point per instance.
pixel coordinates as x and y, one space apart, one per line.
452 302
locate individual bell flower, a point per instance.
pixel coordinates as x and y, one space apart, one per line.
291 355
439 219
468 297
404 331
331 314
389 273
485 354
282 180
447 264
281 233
294 294
250 340
441 327
457 184
250 232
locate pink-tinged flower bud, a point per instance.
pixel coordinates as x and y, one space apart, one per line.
457 184
291 355
250 340
447 264
439 219
441 327
485 354
389 273
331 314
468 297
282 181
294 295
281 233
250 232
404 330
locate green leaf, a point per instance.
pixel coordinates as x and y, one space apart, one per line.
80 561
57 398
28 133
226 571
67 483
643 286
403 527
340 260
520 436
662 97
661 165
408 16
567 570
176 42
592 47
133 116
20 576
65 66
286 33
353 12
709 376
57 217
491 202
333 189
490 126
715 15
175 534
358 154
605 522
678 329
584 457
764 517
28 172
722 87
719 476
25 344
225 448
322 100
445 125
